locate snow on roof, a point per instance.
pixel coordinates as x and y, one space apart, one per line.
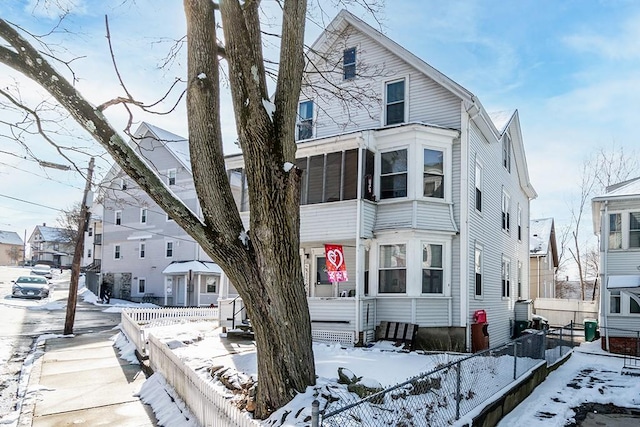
177 145
10 238
501 119
540 235
183 267
52 234
626 188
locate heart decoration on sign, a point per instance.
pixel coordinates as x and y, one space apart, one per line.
335 258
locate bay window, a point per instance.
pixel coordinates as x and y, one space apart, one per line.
432 271
392 269
433 175
393 174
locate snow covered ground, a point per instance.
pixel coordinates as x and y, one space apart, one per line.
590 375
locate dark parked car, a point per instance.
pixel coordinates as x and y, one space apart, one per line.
30 287
42 270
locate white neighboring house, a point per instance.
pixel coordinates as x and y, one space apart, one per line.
52 246
427 193
543 258
146 256
616 220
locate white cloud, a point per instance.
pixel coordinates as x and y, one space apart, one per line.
623 44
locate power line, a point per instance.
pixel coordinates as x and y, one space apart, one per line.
31 203
40 176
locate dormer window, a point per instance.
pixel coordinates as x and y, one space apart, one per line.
394 102
349 63
305 120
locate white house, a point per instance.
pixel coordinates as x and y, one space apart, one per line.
616 220
427 193
543 258
145 256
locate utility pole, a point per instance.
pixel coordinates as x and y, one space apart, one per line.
77 255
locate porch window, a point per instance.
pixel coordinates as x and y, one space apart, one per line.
392 269
433 174
615 231
506 277
322 277
634 229
349 63
431 268
478 271
142 284
210 286
614 302
394 105
393 175
329 177
305 120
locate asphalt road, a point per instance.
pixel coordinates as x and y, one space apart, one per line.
22 321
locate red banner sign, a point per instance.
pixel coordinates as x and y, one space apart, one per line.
336 267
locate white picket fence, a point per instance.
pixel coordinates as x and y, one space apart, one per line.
206 404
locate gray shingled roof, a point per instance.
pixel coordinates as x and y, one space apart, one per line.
10 238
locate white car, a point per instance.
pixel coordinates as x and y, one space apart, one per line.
42 270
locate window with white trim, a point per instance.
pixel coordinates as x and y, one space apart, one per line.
615 231
88 253
506 277
394 102
393 174
142 285
478 271
519 222
116 252
122 184
478 180
392 274
349 63
171 176
614 302
169 250
432 271
433 174
519 279
506 216
143 215
118 218
506 152
305 120
142 250
634 229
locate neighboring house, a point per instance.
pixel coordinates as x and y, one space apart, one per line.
51 245
92 258
11 248
543 258
427 193
145 255
616 220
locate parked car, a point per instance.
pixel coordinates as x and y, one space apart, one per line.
42 270
30 287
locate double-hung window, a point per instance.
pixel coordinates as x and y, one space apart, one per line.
169 250
506 217
432 272
519 279
506 152
305 120
142 284
433 175
506 277
392 269
478 271
143 250
143 216
519 222
615 231
171 176
349 63
394 102
118 218
116 252
478 179
634 229
393 174
614 302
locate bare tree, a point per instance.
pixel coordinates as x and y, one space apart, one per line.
602 169
70 221
262 262
15 254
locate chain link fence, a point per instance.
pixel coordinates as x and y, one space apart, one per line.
451 390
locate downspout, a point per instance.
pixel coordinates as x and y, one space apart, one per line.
538 266
604 295
359 263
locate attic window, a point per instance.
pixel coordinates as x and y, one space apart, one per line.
506 152
349 63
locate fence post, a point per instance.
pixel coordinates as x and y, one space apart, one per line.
544 344
515 359
458 397
571 329
315 413
561 330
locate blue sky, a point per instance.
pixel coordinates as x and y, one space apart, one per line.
569 67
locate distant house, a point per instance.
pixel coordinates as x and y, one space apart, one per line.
92 257
51 245
616 220
543 258
11 248
145 255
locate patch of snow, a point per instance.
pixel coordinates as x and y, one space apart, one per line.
202 76
288 166
254 74
244 238
269 107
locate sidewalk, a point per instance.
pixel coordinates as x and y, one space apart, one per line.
81 381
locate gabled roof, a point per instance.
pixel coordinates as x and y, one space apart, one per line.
494 126
52 234
10 238
627 190
542 239
175 144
